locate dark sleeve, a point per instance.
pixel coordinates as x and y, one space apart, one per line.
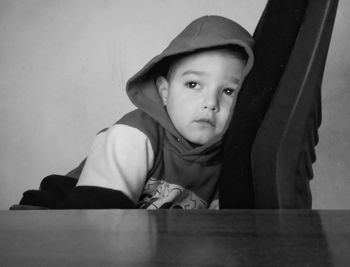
93 197
60 192
51 194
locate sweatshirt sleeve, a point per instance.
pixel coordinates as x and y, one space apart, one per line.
119 160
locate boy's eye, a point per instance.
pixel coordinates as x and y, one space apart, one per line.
228 91
192 85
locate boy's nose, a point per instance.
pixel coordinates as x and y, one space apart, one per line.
211 103
212 108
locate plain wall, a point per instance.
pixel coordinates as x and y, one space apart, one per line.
331 184
63 69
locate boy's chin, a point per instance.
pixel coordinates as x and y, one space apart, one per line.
203 140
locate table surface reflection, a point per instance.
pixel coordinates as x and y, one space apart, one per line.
174 238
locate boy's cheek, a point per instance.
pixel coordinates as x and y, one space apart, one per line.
226 121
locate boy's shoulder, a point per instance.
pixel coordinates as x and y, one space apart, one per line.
138 119
142 121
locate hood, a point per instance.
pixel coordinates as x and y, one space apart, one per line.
204 32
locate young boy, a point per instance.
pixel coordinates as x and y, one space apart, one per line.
166 154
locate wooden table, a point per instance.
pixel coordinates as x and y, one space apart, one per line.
174 238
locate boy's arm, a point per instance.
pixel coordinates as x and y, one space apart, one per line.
115 171
93 197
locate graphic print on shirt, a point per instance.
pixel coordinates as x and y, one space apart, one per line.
159 194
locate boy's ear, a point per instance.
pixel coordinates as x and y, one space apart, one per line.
163 89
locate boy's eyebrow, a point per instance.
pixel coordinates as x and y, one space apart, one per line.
201 73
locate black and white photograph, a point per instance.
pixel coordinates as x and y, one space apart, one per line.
174 133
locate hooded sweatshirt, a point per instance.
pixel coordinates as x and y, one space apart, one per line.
142 156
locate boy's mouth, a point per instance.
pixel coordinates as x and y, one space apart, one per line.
206 122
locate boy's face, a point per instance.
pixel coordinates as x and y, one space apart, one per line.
201 92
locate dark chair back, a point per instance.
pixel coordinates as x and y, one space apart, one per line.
269 146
